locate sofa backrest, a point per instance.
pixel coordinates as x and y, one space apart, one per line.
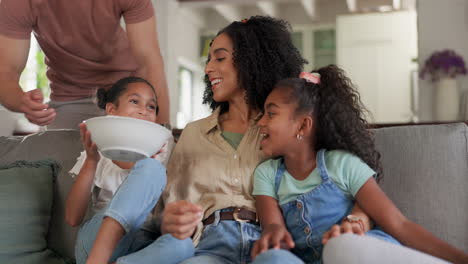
63 146
426 175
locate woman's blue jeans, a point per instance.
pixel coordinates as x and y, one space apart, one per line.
130 206
225 242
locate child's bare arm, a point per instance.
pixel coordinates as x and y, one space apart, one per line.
275 234
268 210
80 193
78 198
382 210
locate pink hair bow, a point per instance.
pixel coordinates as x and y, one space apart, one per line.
313 77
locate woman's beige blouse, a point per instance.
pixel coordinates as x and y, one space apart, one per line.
206 170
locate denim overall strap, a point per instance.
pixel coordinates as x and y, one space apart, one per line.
312 213
322 166
279 174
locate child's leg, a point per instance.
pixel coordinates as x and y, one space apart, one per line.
166 249
354 249
130 206
108 237
377 232
205 259
87 235
279 256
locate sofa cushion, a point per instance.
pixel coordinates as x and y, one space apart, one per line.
63 146
426 175
26 195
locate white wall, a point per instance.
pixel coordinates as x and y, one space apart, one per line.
441 25
376 51
178 31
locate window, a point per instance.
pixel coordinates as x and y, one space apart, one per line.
185 83
34 74
296 38
205 41
324 47
316 44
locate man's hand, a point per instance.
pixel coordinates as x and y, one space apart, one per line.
34 110
13 58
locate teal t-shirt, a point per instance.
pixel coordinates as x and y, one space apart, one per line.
346 170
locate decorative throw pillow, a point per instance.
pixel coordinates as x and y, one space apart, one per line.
26 195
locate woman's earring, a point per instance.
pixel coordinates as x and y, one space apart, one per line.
299 137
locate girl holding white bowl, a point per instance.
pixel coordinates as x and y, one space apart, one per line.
118 226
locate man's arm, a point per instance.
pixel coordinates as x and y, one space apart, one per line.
13 57
145 47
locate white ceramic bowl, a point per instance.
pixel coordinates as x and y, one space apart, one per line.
125 138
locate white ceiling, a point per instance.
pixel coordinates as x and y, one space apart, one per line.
297 12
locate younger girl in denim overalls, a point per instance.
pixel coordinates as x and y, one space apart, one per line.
324 161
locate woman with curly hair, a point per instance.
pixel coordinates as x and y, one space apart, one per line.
324 160
210 174
209 191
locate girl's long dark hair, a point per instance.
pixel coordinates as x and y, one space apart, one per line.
338 111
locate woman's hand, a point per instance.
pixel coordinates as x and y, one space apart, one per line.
273 236
180 219
90 147
345 228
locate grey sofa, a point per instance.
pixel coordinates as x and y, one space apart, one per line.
426 175
64 146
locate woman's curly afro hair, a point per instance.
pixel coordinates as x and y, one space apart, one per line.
263 54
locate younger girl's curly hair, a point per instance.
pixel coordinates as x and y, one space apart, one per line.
263 54
338 112
113 94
